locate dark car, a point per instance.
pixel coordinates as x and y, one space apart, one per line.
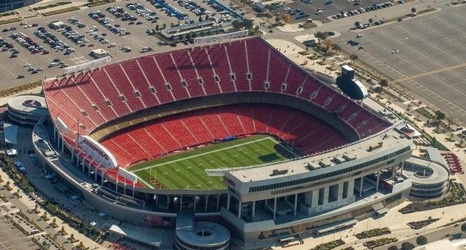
353 43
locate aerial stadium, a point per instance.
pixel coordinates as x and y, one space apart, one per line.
229 135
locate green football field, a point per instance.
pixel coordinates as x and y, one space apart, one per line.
186 170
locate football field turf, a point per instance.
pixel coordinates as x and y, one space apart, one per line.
186 170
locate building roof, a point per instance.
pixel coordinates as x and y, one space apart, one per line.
11 133
434 154
32 104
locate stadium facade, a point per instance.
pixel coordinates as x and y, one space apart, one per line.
104 120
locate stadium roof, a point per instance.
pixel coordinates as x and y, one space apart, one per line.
378 143
149 239
434 154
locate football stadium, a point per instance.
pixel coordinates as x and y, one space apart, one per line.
226 144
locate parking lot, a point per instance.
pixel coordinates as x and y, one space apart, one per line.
15 238
425 55
326 10
36 51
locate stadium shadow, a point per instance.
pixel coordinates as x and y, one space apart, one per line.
286 151
269 157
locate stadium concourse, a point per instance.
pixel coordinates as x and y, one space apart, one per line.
104 120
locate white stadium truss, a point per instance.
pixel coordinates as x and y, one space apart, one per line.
222 37
88 65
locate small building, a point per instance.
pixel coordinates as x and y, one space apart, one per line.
57 25
99 53
26 109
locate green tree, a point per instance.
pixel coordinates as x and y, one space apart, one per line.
286 18
413 11
45 216
353 57
407 246
463 227
321 35
383 83
188 36
439 115
371 20
248 23
200 19
81 246
157 27
421 240
237 24
393 248
357 24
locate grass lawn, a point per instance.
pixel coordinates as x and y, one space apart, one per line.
186 170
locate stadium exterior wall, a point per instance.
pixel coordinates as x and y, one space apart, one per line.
249 236
245 235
